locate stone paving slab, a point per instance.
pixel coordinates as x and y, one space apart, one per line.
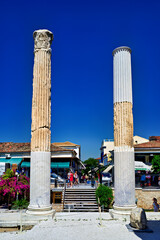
86 226
16 218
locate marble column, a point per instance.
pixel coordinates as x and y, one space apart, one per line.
41 120
124 175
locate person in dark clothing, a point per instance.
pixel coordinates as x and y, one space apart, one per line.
143 180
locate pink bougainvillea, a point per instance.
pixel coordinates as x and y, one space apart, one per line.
12 185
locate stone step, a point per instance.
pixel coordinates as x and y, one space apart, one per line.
73 207
81 204
76 192
84 190
79 196
80 189
82 194
80 200
80 210
80 207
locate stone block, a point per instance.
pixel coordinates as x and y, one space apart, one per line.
138 218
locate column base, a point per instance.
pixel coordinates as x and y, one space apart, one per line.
40 211
122 213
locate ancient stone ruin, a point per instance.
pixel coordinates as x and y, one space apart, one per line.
41 121
124 175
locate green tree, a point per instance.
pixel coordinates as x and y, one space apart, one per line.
90 163
156 164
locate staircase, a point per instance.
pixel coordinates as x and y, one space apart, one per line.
80 200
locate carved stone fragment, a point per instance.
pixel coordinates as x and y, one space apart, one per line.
138 218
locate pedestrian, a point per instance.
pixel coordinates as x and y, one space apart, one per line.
68 179
86 178
71 178
75 178
143 179
83 178
155 205
159 181
92 180
79 177
148 179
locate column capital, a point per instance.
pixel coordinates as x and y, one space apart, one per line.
123 48
42 39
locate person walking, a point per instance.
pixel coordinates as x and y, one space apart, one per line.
86 178
76 178
143 179
155 205
71 178
68 179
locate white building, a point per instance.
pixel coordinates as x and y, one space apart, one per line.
63 156
108 146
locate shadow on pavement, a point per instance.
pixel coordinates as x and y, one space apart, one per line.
153 225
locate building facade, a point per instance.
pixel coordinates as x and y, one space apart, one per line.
144 149
62 158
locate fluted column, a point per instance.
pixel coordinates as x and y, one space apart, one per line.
41 119
124 176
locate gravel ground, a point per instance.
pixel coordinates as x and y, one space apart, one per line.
85 226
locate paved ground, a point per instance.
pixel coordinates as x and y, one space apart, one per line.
86 226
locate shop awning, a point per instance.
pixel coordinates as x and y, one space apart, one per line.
142 166
3 160
108 168
25 164
11 160
60 164
53 164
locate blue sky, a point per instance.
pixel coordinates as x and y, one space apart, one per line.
85 34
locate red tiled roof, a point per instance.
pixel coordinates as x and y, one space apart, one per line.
55 148
154 138
150 144
6 147
65 144
14 147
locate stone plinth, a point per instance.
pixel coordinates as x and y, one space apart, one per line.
41 120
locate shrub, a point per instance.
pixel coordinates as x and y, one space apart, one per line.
20 204
105 195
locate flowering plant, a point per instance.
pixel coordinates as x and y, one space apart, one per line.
12 185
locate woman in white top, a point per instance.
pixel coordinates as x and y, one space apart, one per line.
76 178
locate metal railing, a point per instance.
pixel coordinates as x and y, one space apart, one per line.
64 190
